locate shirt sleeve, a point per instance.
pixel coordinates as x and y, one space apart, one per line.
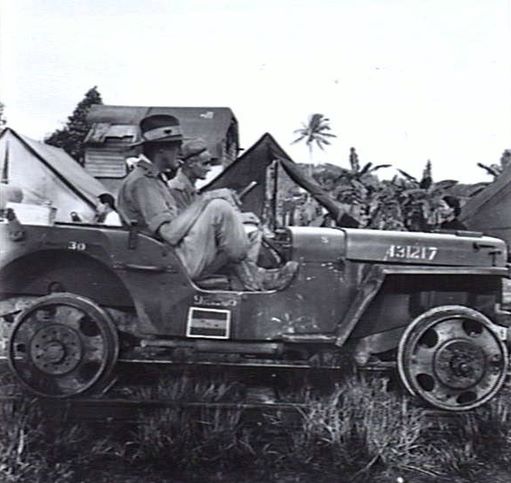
154 207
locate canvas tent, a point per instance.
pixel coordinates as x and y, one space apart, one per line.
253 165
47 174
488 211
114 128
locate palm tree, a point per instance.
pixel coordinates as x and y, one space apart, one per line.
315 131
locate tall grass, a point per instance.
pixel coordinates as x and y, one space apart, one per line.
189 438
361 431
36 449
359 427
23 455
368 430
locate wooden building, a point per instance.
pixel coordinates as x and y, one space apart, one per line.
114 128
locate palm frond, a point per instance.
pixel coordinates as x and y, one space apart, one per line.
298 139
380 166
489 169
365 169
321 143
408 176
413 192
446 184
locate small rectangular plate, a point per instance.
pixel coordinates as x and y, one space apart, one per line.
208 323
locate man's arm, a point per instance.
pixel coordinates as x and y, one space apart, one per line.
173 232
155 208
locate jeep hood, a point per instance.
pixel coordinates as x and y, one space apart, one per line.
413 248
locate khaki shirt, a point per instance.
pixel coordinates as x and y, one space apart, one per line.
182 190
145 198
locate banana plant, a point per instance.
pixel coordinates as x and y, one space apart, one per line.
421 200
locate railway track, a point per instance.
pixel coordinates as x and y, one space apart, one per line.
121 414
113 408
119 411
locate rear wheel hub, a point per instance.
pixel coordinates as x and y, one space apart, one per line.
56 349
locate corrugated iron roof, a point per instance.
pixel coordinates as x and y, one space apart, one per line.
101 131
209 123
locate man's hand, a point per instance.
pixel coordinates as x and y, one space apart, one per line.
223 194
250 218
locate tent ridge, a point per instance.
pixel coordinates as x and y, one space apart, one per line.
52 169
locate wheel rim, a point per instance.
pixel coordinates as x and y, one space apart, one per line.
452 358
62 346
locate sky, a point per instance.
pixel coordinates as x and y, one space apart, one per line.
403 81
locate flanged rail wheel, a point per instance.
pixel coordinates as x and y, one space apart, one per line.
452 358
62 346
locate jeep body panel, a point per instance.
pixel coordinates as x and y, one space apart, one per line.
358 282
77 299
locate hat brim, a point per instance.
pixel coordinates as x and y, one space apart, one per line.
170 139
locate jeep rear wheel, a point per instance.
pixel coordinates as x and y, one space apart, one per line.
452 358
63 345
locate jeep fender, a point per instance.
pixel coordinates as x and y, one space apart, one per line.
48 271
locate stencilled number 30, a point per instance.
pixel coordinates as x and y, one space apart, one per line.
75 245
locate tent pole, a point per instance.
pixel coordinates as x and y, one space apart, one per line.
5 168
275 191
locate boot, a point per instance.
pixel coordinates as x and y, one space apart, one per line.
279 278
247 272
254 278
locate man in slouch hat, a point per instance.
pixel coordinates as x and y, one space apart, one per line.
208 234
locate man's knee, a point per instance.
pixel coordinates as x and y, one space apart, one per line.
220 207
233 241
223 215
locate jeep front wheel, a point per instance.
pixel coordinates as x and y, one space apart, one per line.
453 358
62 346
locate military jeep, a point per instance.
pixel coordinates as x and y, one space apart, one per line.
78 301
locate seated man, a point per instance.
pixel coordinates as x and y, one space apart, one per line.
208 234
195 165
